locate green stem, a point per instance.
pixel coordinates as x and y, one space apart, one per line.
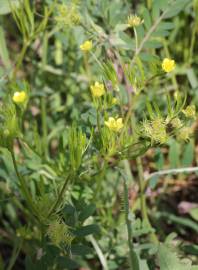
96 59
20 58
98 120
44 126
86 63
43 99
24 188
134 265
141 186
149 4
136 40
192 43
128 116
60 196
15 254
173 77
149 33
98 250
144 213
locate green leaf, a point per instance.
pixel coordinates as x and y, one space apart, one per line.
168 259
81 250
86 230
153 181
186 222
121 27
70 215
188 154
3 50
147 19
159 159
5 6
166 26
87 212
194 267
191 249
192 77
176 8
143 265
158 6
174 153
194 213
147 57
66 263
153 44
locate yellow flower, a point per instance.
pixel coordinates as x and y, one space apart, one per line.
19 97
97 89
134 20
190 111
168 65
86 46
113 124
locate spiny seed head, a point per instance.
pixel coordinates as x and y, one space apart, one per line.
134 20
185 133
176 123
58 233
190 111
67 15
156 130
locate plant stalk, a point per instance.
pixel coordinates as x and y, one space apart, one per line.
60 196
24 188
20 58
144 213
44 126
134 265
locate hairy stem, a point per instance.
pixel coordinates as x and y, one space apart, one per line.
99 252
20 58
149 33
141 186
60 196
15 254
144 213
24 188
43 99
134 265
44 126
172 171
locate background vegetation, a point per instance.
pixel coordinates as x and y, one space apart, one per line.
75 195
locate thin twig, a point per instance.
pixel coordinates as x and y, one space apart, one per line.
99 252
60 196
147 36
172 171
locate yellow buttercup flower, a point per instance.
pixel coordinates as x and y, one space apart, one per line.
86 46
190 111
134 20
168 65
97 89
19 97
114 124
